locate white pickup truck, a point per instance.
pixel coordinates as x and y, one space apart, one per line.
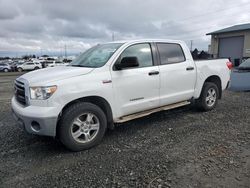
111 83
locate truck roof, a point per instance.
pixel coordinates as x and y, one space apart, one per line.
147 40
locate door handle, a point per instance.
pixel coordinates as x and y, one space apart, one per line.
189 68
153 73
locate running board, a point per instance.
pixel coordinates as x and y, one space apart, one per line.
148 112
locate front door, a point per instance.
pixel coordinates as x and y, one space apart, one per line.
136 89
29 66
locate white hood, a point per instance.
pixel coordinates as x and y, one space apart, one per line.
53 74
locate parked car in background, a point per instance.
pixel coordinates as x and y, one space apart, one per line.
29 66
56 63
240 77
14 66
5 67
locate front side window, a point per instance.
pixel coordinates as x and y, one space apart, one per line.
142 52
97 56
170 53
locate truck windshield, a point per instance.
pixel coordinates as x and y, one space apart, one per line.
96 56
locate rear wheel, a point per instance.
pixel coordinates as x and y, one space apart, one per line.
36 68
82 126
209 97
5 70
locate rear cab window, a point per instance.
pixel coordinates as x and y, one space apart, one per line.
170 53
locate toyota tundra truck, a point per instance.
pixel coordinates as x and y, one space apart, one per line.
113 83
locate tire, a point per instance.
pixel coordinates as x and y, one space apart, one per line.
5 70
75 128
36 68
19 69
209 97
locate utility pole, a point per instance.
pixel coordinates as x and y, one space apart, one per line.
65 51
191 45
113 36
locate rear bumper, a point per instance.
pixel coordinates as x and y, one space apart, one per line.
35 120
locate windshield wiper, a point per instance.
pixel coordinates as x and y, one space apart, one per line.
80 66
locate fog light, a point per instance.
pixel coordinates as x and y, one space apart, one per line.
35 126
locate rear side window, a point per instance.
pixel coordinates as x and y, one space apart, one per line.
170 53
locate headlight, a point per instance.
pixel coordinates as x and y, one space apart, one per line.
42 93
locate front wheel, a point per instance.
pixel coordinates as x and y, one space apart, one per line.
82 126
209 97
19 69
5 70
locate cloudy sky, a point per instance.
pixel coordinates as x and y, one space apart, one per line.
45 26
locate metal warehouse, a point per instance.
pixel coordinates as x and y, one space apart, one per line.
232 42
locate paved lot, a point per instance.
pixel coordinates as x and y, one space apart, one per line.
177 148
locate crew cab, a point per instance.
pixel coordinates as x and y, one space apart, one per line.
28 66
114 83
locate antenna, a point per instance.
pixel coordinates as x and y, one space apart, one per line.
191 45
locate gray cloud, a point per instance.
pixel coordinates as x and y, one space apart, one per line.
32 25
6 12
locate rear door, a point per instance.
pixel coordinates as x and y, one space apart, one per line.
136 89
177 74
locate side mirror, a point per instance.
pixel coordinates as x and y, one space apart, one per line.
127 62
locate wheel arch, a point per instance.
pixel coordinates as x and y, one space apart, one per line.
216 80
97 100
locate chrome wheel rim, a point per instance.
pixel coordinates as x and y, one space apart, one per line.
85 128
211 97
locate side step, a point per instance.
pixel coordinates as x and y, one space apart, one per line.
148 112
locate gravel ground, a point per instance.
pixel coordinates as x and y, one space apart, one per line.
177 148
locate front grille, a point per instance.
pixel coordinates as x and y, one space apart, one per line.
20 92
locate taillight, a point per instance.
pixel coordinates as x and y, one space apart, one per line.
229 65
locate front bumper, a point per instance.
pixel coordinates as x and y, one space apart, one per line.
35 119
